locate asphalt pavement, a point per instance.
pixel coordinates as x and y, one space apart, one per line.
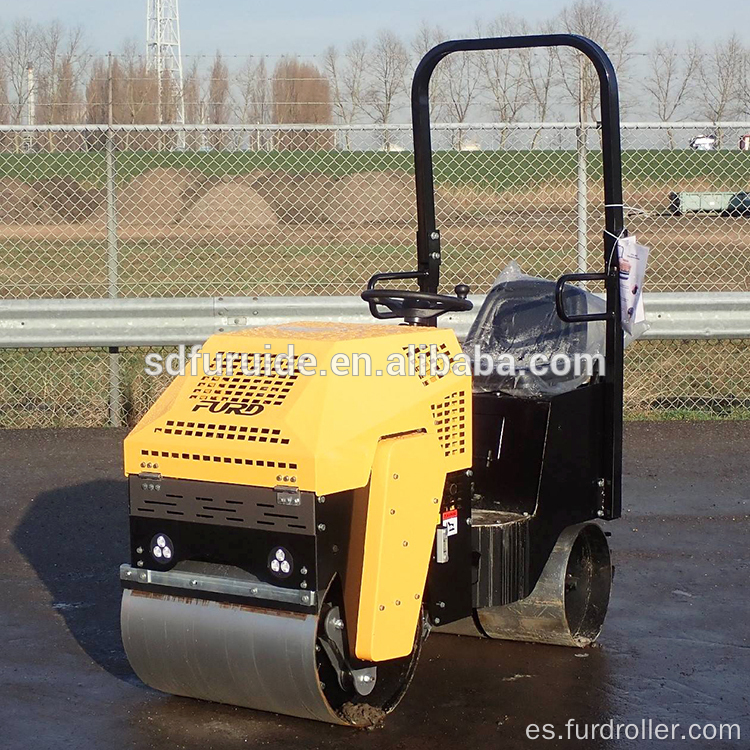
675 647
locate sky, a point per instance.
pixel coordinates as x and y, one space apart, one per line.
307 27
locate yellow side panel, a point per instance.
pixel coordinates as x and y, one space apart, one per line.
403 512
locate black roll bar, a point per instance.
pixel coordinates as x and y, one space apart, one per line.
428 235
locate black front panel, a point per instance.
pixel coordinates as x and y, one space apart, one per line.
214 503
246 549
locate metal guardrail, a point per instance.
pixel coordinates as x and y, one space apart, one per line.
139 322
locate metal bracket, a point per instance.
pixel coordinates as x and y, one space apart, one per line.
217 585
287 495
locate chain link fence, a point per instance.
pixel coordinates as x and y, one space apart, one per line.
145 211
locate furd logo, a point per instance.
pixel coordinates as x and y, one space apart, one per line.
226 407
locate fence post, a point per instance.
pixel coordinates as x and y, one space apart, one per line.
115 396
582 208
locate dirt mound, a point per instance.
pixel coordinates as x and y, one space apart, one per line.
231 203
384 198
296 199
372 198
70 201
159 197
21 204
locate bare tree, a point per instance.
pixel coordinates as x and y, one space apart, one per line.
191 94
428 37
347 78
600 21
20 48
505 72
219 93
671 76
744 86
542 77
455 83
301 93
254 92
720 75
387 64
64 58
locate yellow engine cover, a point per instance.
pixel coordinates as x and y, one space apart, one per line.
318 432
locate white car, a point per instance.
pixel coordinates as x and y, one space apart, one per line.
704 143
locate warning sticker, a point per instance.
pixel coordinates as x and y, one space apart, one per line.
450 522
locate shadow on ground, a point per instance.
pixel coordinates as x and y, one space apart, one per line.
75 538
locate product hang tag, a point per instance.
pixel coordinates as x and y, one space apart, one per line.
633 259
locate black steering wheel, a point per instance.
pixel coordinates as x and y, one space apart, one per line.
415 306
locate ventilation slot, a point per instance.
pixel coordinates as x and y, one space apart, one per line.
423 366
223 432
221 459
266 388
450 423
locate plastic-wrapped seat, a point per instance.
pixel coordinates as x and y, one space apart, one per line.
517 320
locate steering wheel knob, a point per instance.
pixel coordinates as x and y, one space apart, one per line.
462 291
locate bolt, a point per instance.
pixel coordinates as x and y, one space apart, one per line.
303 584
156 466
435 256
526 514
157 487
398 602
128 573
435 500
321 527
437 621
194 582
143 576
305 598
144 486
278 477
303 570
393 512
335 548
435 236
381 607
317 646
286 478
416 596
395 476
254 591
469 473
441 605
600 513
293 479
601 483
406 544
468 521
139 550
322 499
140 563
338 623
143 464
364 678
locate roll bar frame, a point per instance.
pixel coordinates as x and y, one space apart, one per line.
428 235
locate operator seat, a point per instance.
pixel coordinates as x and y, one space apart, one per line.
519 318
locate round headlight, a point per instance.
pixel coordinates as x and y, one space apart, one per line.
162 548
280 562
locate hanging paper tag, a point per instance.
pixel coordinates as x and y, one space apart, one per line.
633 259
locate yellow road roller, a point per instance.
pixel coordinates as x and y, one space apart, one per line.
306 513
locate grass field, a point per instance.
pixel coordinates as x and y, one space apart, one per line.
515 205
499 169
